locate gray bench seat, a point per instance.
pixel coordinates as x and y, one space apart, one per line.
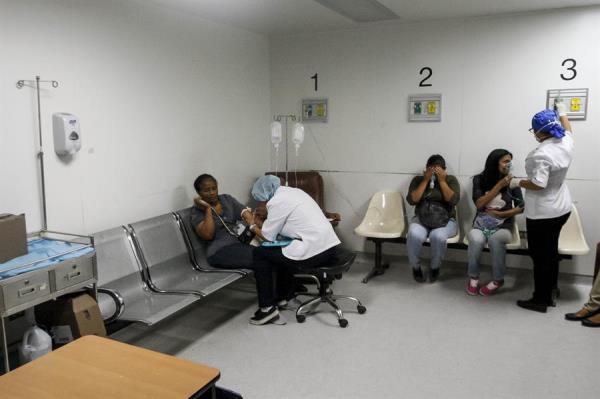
120 277
195 246
167 261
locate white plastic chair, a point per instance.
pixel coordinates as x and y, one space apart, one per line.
385 216
384 220
572 240
515 243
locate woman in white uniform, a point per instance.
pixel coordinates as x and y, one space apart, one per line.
548 201
291 213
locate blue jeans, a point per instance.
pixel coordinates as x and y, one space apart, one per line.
417 234
497 243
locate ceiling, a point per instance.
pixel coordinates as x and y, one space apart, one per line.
283 17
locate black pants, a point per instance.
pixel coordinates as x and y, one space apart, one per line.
240 255
285 268
542 240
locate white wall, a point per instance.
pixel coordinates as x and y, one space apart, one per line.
161 96
493 74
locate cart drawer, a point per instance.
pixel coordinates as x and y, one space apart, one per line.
26 289
72 272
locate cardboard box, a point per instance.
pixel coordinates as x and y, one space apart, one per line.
13 236
80 313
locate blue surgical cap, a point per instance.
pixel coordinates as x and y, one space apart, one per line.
264 188
546 121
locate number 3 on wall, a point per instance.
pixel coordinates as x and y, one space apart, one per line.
571 68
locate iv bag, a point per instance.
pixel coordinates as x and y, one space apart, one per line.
276 135
298 136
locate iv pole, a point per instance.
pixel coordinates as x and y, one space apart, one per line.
40 153
278 118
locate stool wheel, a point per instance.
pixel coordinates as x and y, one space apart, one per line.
361 309
343 323
300 318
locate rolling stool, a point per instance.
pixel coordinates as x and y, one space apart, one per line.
324 276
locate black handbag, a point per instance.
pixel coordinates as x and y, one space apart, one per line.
433 214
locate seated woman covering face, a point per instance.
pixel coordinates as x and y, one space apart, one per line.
434 195
223 249
291 213
497 204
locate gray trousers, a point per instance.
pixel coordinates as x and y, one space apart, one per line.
594 302
417 234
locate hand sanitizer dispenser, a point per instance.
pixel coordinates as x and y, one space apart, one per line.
67 136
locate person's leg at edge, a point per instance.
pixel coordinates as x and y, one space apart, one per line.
476 242
497 243
554 258
438 239
416 236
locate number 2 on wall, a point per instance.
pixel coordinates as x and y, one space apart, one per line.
429 72
316 78
570 68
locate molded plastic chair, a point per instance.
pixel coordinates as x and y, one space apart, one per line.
515 243
385 217
572 240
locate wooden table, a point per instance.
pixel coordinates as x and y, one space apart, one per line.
95 367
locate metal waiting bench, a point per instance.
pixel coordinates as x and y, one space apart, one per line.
154 268
121 278
194 244
165 257
385 221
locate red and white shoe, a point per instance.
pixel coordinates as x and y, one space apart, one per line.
472 286
490 288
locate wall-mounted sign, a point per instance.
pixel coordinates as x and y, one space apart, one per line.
576 101
314 110
425 108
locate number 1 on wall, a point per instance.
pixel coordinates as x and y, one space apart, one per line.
316 78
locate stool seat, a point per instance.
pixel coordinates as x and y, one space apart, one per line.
324 277
339 264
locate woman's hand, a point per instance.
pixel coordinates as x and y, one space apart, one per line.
427 173
440 173
505 181
260 215
200 203
495 213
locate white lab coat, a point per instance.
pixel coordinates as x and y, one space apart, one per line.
547 167
293 213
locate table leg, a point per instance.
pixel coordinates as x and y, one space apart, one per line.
378 269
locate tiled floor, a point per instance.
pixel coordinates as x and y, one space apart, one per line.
415 341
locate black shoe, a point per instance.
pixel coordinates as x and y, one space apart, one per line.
433 275
581 314
418 275
593 321
532 304
261 317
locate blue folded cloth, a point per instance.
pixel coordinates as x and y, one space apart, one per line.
43 252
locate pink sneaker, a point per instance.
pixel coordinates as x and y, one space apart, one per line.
490 288
472 286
